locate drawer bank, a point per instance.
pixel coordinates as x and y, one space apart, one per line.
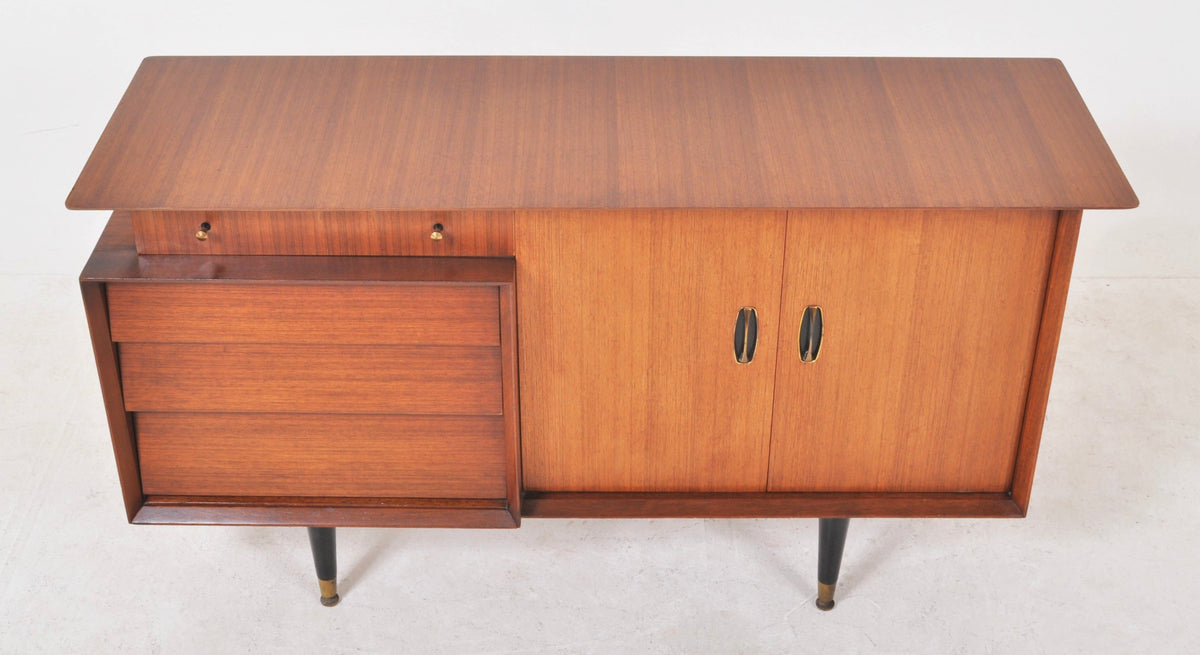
459 291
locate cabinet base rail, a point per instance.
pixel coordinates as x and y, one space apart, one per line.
768 505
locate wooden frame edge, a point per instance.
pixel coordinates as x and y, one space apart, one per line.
510 399
120 422
773 504
322 516
1054 305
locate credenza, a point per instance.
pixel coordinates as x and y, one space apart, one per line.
459 291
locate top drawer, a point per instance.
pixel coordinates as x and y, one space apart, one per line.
461 234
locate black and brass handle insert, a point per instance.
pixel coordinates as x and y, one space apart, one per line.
745 335
811 327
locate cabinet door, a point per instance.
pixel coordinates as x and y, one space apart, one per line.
930 320
629 381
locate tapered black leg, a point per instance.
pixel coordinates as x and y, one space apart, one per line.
829 559
324 550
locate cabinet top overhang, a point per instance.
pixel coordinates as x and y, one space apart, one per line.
450 133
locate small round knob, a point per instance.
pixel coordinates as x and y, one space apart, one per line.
436 235
201 235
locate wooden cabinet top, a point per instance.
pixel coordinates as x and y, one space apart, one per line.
450 133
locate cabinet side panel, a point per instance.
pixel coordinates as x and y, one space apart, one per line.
930 324
1047 349
120 422
629 380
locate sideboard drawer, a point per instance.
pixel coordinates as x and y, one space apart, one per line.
219 454
390 233
311 378
225 312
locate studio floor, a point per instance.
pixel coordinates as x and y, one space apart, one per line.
1104 563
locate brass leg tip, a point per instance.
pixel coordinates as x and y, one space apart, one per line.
329 594
825 596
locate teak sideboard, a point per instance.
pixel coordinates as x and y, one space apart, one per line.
459 291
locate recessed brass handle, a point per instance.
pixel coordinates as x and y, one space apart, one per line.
202 233
745 335
812 328
436 235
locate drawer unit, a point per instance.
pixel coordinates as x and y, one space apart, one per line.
389 233
243 389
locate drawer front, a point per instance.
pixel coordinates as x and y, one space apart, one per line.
462 234
321 455
221 312
311 378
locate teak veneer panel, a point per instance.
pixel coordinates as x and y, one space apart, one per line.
930 323
629 380
464 234
219 312
311 378
511 133
321 455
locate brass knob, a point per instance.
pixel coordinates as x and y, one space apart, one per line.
201 235
436 235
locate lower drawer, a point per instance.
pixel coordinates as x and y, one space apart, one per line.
329 455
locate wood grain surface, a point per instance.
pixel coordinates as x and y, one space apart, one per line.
207 312
321 455
930 324
464 234
311 378
628 374
460 133
1047 350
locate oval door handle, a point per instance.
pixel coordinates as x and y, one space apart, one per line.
812 325
745 335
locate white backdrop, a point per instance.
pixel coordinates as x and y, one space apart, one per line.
1104 563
